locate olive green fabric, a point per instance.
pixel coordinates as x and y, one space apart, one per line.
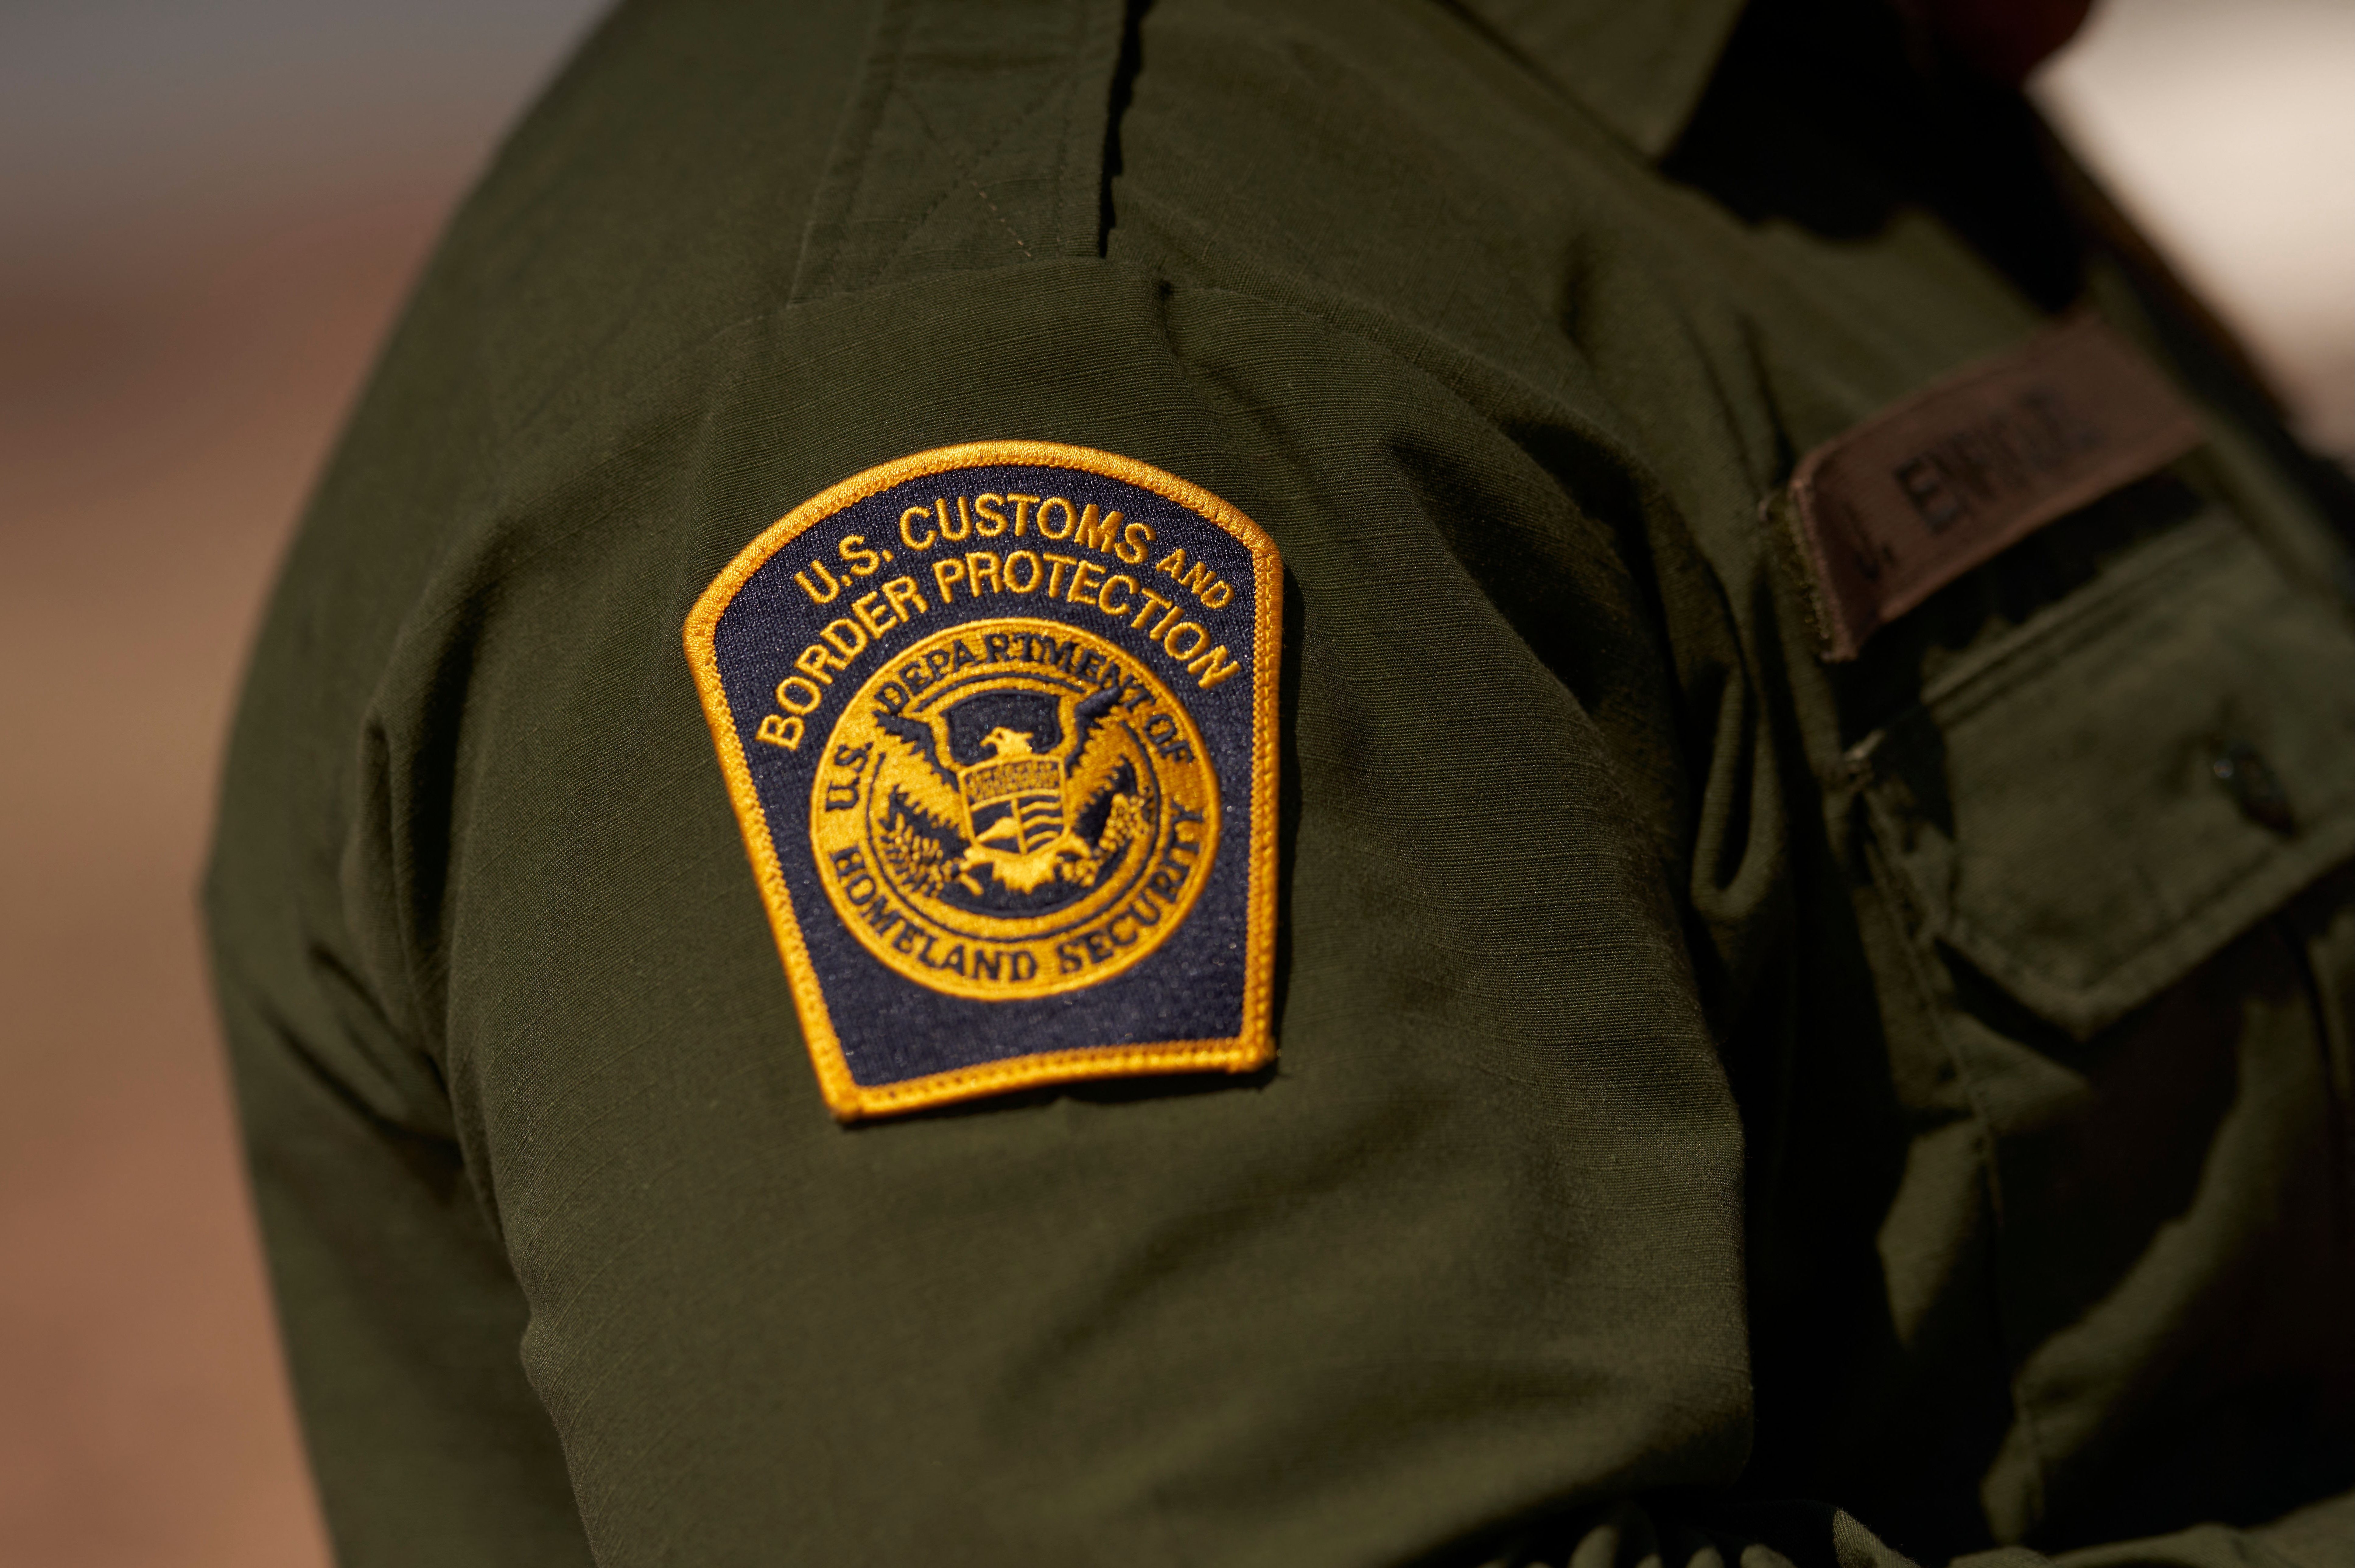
1727 1108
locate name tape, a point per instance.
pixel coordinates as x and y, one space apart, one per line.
1892 510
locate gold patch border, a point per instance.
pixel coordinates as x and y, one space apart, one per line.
1253 1046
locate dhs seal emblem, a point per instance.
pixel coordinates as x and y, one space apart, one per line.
998 725
1016 809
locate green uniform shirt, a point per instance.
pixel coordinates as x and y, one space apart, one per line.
1726 1101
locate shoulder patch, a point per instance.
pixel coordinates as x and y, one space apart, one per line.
998 722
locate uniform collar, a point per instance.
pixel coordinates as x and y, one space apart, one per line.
1639 66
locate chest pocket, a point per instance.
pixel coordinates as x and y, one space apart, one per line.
2096 831
2089 809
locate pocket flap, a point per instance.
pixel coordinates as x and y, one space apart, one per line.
2090 808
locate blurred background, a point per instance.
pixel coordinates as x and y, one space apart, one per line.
208 210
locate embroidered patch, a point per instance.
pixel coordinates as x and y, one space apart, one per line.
998 722
1891 511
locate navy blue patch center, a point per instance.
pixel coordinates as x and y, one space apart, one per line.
1002 724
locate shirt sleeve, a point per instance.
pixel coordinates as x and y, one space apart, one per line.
399 1315
569 1253
524 1085
398 1311
566 1244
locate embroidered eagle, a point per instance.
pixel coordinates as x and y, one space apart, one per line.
1043 804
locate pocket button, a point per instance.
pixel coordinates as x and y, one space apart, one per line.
2254 787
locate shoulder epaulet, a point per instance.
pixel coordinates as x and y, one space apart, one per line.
975 138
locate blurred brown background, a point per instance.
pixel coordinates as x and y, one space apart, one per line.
208 209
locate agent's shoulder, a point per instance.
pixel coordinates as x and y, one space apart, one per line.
654 192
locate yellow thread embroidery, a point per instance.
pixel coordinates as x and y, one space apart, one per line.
896 786
898 601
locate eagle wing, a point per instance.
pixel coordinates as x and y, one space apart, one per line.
1098 759
930 787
